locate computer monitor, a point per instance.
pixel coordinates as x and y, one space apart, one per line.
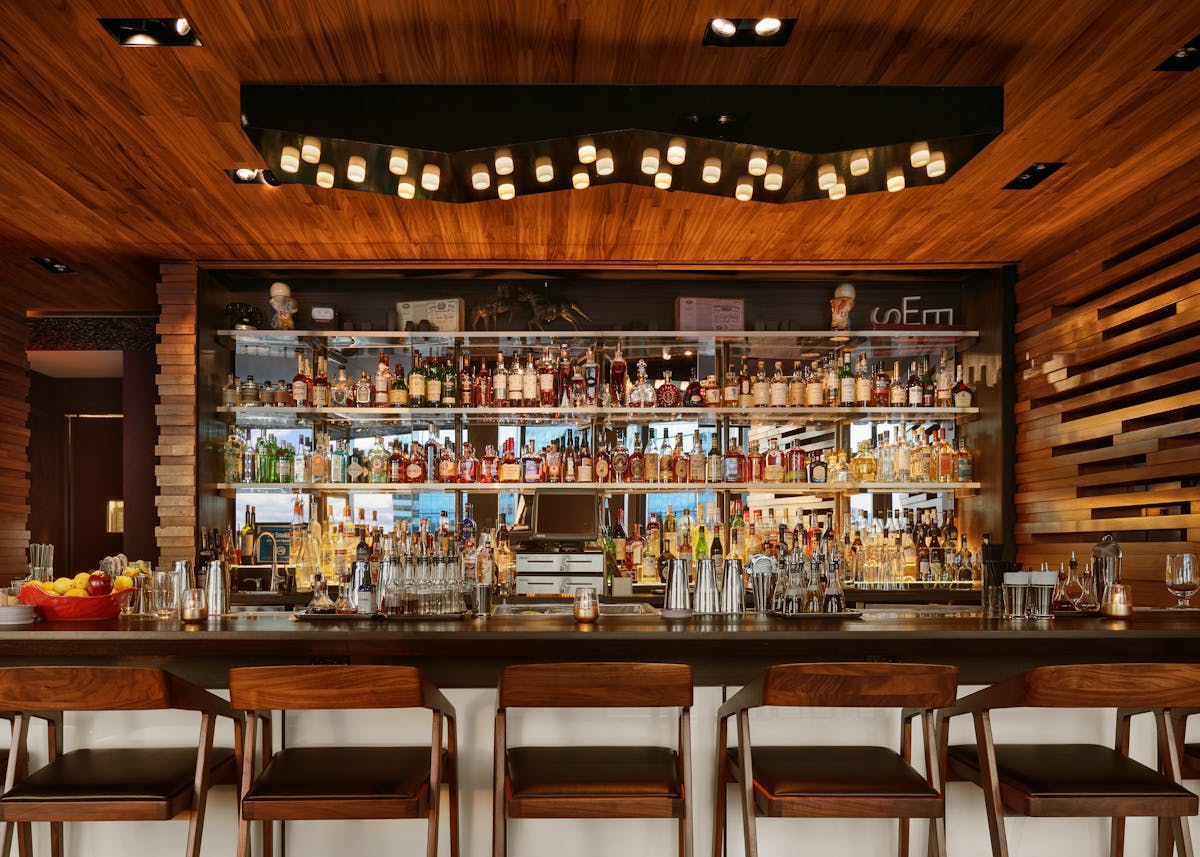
565 516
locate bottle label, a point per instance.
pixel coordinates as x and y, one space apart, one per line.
398 397
779 395
414 473
529 388
602 470
761 394
300 393
637 470
773 473
962 399
510 472
546 382
584 472
681 469
965 470
355 471
862 390
916 396
500 386
320 396
814 395
433 390
847 391
362 395
416 386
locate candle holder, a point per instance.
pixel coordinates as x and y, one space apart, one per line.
193 606
1118 601
587 605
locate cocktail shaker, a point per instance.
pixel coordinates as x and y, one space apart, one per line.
216 586
678 598
733 589
707 596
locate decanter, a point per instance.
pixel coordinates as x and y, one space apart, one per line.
642 394
668 394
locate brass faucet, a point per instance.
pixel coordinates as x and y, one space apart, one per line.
278 583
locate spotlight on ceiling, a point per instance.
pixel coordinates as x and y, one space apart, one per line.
406 188
289 159
325 176
1187 58
723 27
604 162
1034 174
748 32
773 180
249 175
152 32
767 26
53 265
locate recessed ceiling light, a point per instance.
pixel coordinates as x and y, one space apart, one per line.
773 180
826 176
860 163
246 174
152 32
579 177
289 159
604 162
505 190
744 189
543 169
936 166
650 160
310 150
767 26
480 179
587 150
406 188
757 165
504 162
676 151
895 179
723 27
1187 58
918 154
398 162
249 175
1034 174
662 179
325 176
431 177
712 170
356 168
53 265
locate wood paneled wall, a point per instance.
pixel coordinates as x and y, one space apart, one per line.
175 472
1108 410
14 447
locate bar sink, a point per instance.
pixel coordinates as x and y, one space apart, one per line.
565 610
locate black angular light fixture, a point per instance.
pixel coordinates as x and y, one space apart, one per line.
152 32
53 265
465 143
748 32
1034 174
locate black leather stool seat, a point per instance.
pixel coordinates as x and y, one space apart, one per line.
1070 770
343 773
577 772
120 774
834 771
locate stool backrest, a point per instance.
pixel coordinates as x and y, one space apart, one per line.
861 685
596 685
1112 686
92 689
337 686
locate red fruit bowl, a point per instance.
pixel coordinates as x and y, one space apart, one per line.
64 609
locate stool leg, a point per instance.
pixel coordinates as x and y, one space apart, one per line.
1166 842
749 815
56 839
1116 845
452 781
25 839
722 789
902 850
8 839
685 763
499 802
988 778
268 748
435 785
200 785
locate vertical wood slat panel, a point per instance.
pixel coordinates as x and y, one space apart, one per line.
14 474
1108 412
175 472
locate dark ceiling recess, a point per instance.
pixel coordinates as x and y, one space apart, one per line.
249 175
152 32
1034 174
1186 58
748 32
53 265
468 143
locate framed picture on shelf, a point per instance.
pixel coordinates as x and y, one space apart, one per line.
283 544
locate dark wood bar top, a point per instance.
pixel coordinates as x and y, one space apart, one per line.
470 653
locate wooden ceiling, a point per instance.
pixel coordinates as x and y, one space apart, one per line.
113 157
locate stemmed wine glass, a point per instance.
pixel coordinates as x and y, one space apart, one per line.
1183 577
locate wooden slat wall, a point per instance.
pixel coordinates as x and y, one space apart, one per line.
1108 410
175 472
14 447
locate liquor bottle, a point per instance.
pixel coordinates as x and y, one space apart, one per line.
553 470
578 388
962 395
897 392
797 464
697 460
340 392
489 465
585 468
733 465
927 384
564 371
642 395
650 458
363 391
233 451
881 389
285 460
466 384
774 466
532 464
383 382
602 464
570 460
637 461
693 396
947 459
670 533
754 463
778 392
433 383
300 382
416 382
713 461
679 461
944 385
745 387
685 548
916 390
923 567
378 461
547 380
729 390
414 468
737 532
846 383
796 385
468 465
964 470
902 457
864 467
616 380
510 467
918 467
591 379
619 539
231 391
635 549
700 542
246 542
500 383
319 394
864 383
814 387
450 385
818 468
760 391
516 382
484 395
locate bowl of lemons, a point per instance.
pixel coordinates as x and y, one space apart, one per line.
86 596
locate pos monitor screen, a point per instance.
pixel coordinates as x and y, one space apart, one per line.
565 516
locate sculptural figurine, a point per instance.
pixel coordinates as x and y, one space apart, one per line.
840 305
285 306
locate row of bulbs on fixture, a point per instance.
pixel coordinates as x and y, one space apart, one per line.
828 179
762 27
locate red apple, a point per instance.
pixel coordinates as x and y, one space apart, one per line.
99 583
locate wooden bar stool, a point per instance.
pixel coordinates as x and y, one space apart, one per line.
594 782
840 781
316 783
1087 780
119 784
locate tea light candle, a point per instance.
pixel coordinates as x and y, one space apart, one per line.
193 614
587 605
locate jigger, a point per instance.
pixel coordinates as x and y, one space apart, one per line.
707 596
733 590
678 601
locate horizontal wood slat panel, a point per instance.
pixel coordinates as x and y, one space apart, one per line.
1108 435
175 472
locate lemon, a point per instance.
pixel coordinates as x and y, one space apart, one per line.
80 580
130 571
122 582
47 586
76 592
62 584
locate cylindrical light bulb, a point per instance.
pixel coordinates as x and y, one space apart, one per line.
860 163
745 189
580 178
918 154
758 163
826 176
407 188
398 162
431 177
773 180
587 150
650 160
543 169
325 175
480 180
356 168
310 150
604 162
767 26
837 191
895 179
711 174
676 151
936 166
504 162
662 179
505 190
289 159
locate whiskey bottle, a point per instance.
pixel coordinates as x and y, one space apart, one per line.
774 464
754 464
363 391
779 387
468 464
818 469
500 383
733 465
416 382
814 387
547 380
944 395
745 387
797 466
898 392
585 463
591 379
881 392
864 383
529 382
761 390
450 385
962 395
532 464
320 388
846 383
466 384
299 382
947 459
553 463
797 386
693 396
697 460
510 467
712 467
637 461
927 384
729 390
562 378
602 465
617 379
484 395
383 382
964 463
489 466
650 458
620 459
433 383
619 539
679 461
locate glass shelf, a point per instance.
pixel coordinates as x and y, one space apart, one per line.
788 488
284 418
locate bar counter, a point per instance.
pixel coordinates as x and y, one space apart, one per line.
723 651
